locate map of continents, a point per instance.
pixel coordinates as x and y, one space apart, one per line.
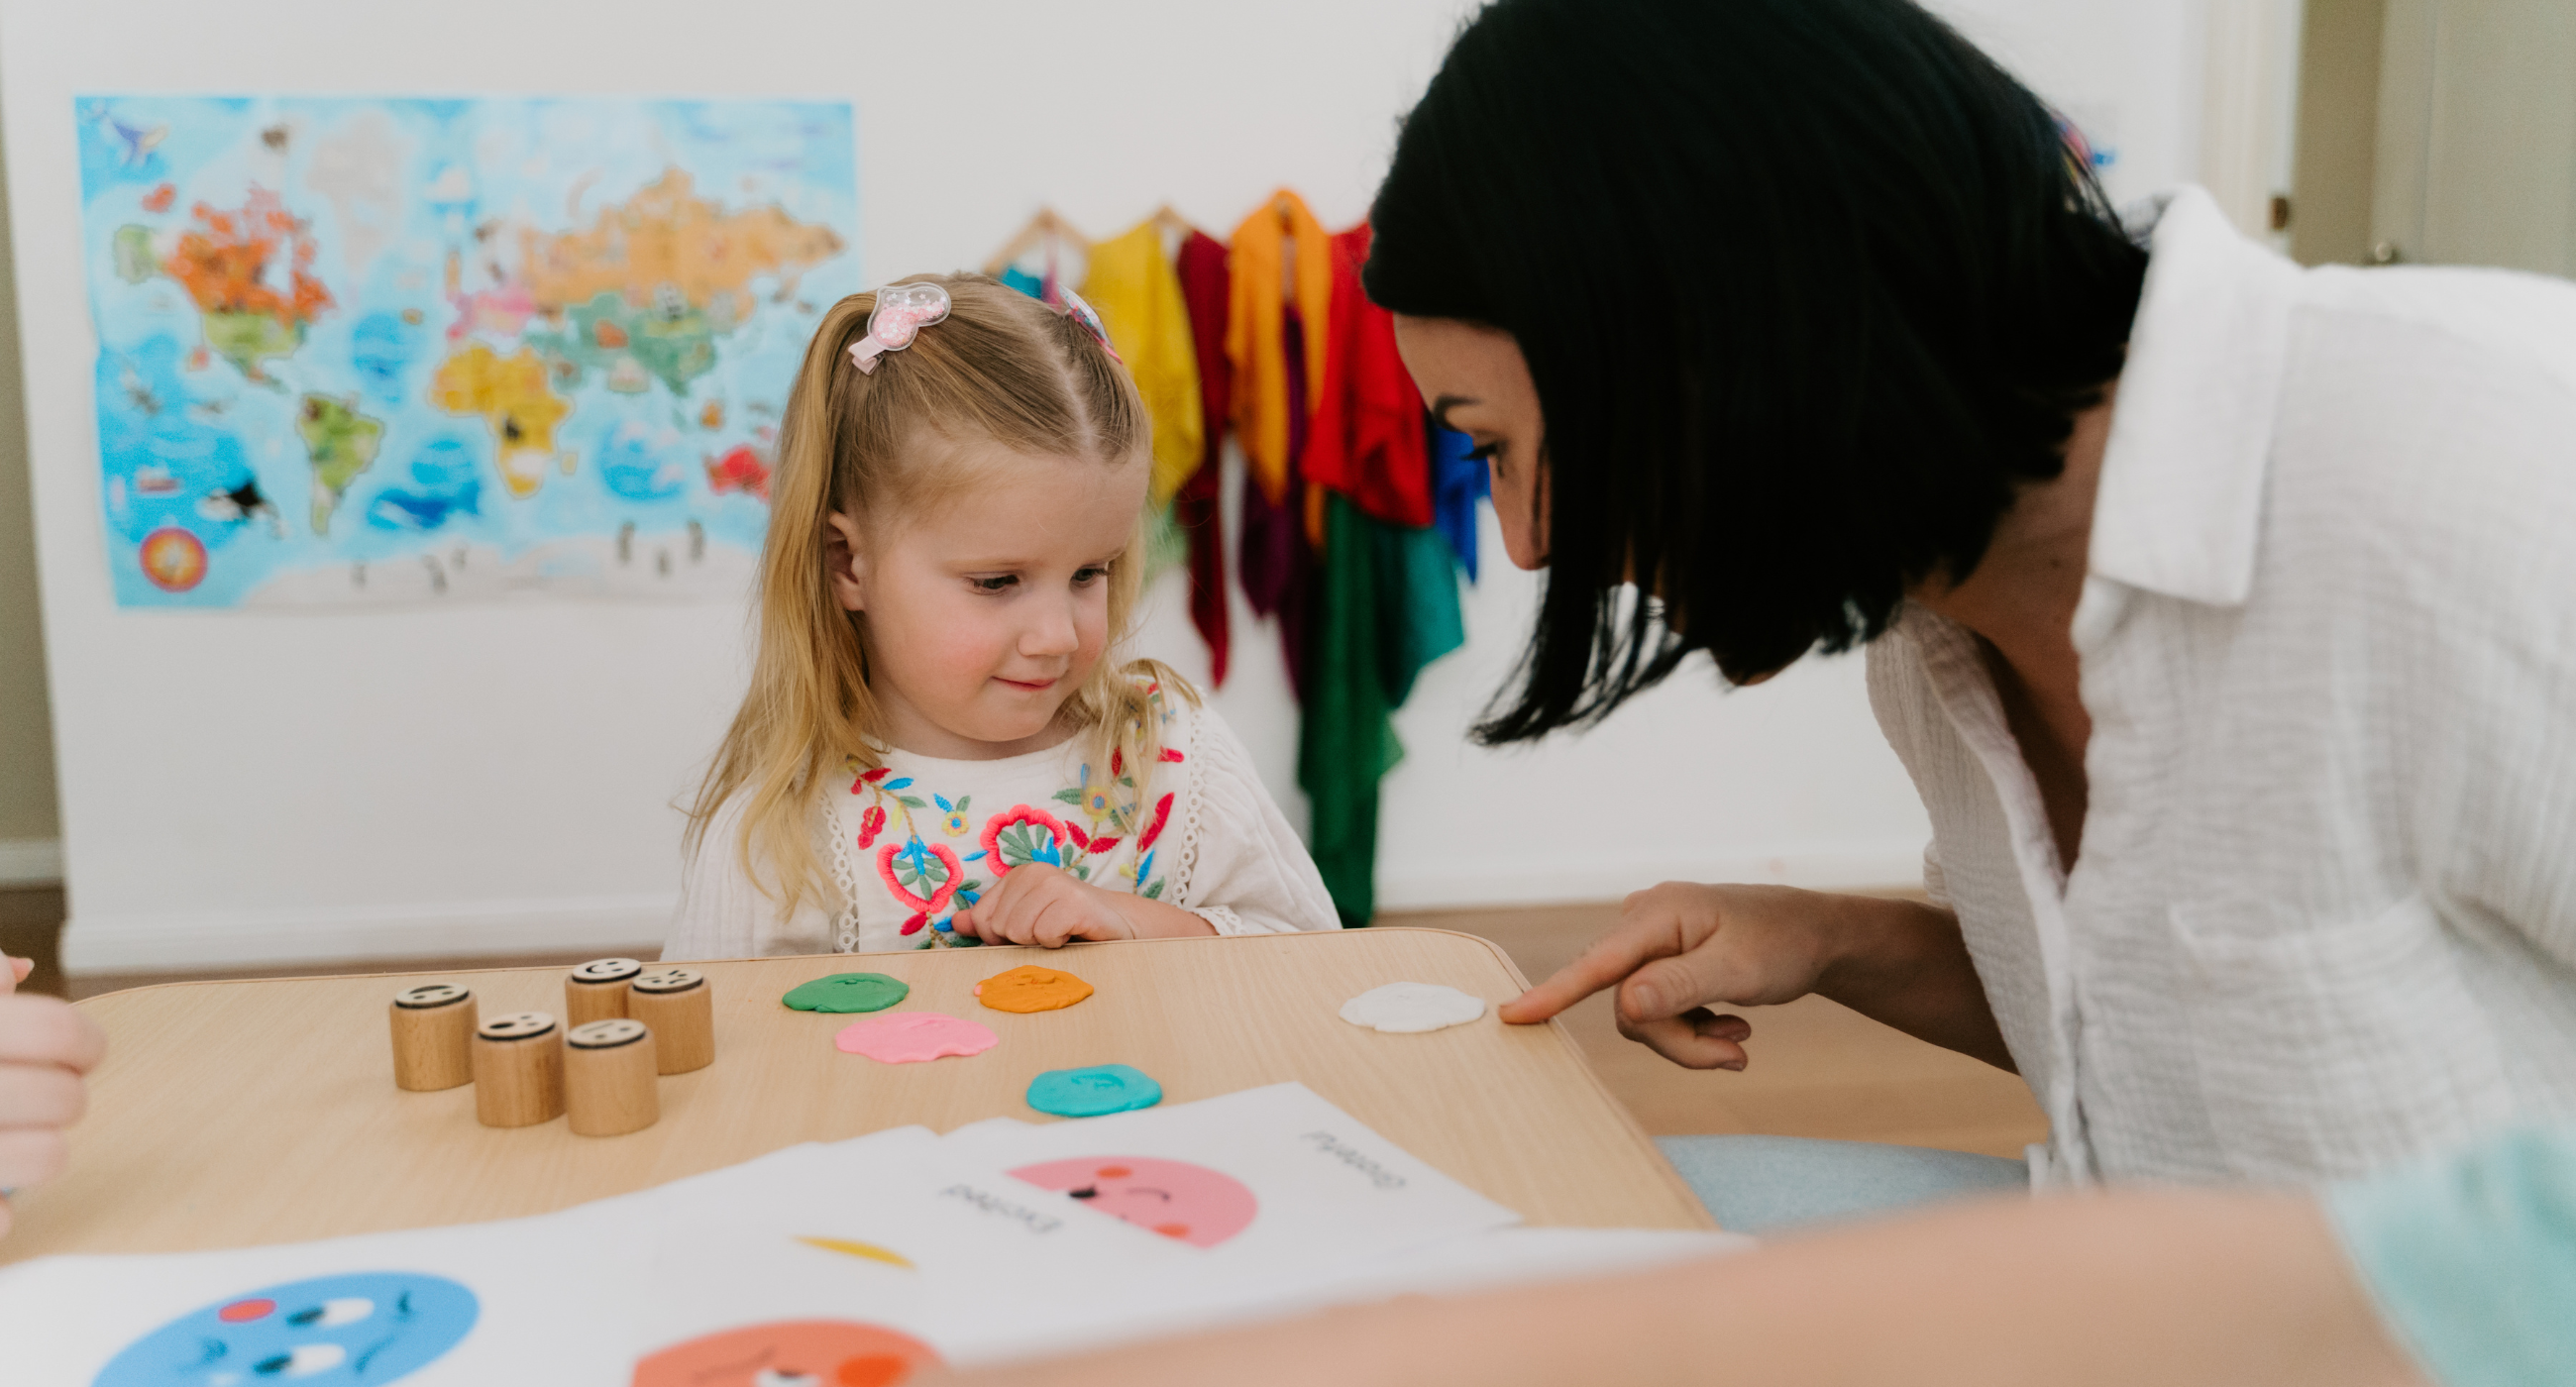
357 350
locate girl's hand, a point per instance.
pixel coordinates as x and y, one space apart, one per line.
45 1047
1046 906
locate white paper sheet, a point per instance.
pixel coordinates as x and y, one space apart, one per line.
1001 1240
1271 1177
887 1235
530 1300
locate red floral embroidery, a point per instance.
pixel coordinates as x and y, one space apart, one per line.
1117 760
1162 815
938 898
1171 756
913 925
1019 814
871 778
1104 844
871 824
1080 840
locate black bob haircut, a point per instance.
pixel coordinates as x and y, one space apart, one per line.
1808 288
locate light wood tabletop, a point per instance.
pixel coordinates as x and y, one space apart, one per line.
231 1114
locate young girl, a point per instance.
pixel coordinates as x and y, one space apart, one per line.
939 745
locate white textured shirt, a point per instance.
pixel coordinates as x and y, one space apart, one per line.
2324 913
919 838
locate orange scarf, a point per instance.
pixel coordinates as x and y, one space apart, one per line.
1253 331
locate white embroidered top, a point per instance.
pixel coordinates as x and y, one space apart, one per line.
914 841
2323 918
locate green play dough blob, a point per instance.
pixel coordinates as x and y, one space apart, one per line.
845 992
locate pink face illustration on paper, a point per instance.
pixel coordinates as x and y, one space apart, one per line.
1191 1203
789 1353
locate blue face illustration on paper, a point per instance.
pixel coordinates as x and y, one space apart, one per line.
332 1331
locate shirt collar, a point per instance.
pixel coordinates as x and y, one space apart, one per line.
2182 476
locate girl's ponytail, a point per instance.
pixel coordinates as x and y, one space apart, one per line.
809 686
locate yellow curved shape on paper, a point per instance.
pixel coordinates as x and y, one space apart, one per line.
870 1251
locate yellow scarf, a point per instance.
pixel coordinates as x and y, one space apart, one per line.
1138 295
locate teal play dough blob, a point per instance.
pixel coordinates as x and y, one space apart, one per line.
847 992
1093 1092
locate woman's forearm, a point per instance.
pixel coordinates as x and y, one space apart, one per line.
2126 1290
1682 950
1903 963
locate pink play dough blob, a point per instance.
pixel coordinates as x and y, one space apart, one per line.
1191 1203
908 1037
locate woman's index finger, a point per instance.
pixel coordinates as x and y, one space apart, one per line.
1611 958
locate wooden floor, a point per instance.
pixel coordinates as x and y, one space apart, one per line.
1817 1070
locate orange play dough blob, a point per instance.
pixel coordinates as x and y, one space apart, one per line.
1031 988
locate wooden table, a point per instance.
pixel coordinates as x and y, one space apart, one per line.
232 1114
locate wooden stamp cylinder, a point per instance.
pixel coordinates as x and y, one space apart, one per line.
518 1070
610 1087
433 1037
678 1005
596 991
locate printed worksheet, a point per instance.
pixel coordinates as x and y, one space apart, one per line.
528 1300
1267 1180
861 1261
877 1239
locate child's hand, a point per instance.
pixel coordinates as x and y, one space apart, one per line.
1046 906
45 1047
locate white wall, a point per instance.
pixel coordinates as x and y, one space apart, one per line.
242 787
2128 72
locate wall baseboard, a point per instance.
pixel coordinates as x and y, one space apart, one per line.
31 861
1894 865
249 938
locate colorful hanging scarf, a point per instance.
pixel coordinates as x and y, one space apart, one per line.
1206 286
1253 340
1132 286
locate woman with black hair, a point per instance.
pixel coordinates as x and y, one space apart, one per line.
2223 612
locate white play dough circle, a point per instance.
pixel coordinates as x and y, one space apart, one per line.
1405 1007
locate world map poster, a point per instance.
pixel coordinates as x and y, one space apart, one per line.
410 350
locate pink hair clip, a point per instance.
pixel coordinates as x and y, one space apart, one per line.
1081 312
902 311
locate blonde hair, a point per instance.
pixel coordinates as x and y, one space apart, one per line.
1002 367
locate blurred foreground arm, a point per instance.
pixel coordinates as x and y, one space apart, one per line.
45 1048
2103 1290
